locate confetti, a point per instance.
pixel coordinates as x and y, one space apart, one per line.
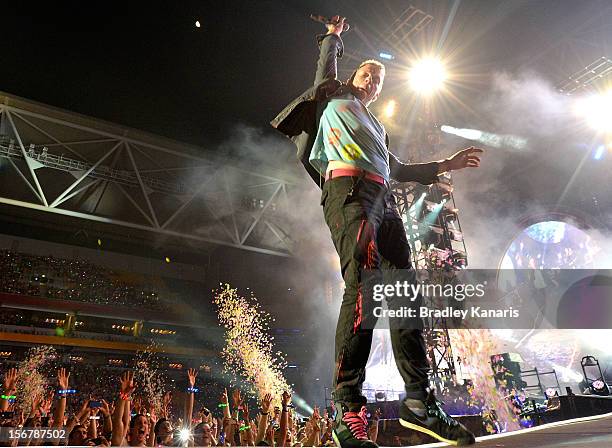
31 381
474 347
248 350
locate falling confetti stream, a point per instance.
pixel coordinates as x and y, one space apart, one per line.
248 350
149 377
31 379
474 346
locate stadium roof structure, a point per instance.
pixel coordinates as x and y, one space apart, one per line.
78 168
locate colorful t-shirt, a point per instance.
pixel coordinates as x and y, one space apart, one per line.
350 133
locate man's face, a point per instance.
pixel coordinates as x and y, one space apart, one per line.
368 82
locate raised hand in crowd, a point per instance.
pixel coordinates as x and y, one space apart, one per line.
9 387
284 420
126 387
264 417
191 380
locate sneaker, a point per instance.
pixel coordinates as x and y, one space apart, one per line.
351 429
433 421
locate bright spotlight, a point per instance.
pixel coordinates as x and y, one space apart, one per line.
597 111
185 434
427 76
389 109
197 24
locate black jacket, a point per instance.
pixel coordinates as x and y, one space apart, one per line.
300 119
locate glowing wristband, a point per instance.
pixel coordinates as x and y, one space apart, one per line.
9 397
66 391
222 405
243 428
124 396
193 390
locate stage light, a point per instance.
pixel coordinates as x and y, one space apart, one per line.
389 109
469 134
427 76
197 24
167 259
597 111
599 387
184 434
488 138
300 403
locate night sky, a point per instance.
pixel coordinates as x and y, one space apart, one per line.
146 65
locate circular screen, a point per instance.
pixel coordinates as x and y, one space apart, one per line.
551 245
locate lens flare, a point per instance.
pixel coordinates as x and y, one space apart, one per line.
427 76
596 111
390 108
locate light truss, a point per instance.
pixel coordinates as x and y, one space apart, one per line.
410 22
405 27
595 72
69 165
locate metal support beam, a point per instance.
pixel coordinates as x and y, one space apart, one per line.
25 179
131 225
169 163
186 203
46 134
76 192
41 194
260 214
135 204
142 187
58 200
231 207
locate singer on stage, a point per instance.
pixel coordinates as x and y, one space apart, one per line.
345 150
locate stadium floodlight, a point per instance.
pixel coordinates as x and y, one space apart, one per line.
427 76
597 111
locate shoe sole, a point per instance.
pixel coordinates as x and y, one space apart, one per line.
336 441
429 432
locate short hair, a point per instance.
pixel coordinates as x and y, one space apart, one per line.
378 64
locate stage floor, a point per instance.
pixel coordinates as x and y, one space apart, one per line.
591 432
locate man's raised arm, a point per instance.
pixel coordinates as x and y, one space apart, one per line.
427 173
331 48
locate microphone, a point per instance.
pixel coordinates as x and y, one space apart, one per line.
325 21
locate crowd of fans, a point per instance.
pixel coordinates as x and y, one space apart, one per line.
59 278
111 408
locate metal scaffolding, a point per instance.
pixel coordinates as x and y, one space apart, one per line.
65 164
434 233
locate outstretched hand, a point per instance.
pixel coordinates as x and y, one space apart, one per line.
62 378
127 382
10 381
466 158
266 402
191 376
